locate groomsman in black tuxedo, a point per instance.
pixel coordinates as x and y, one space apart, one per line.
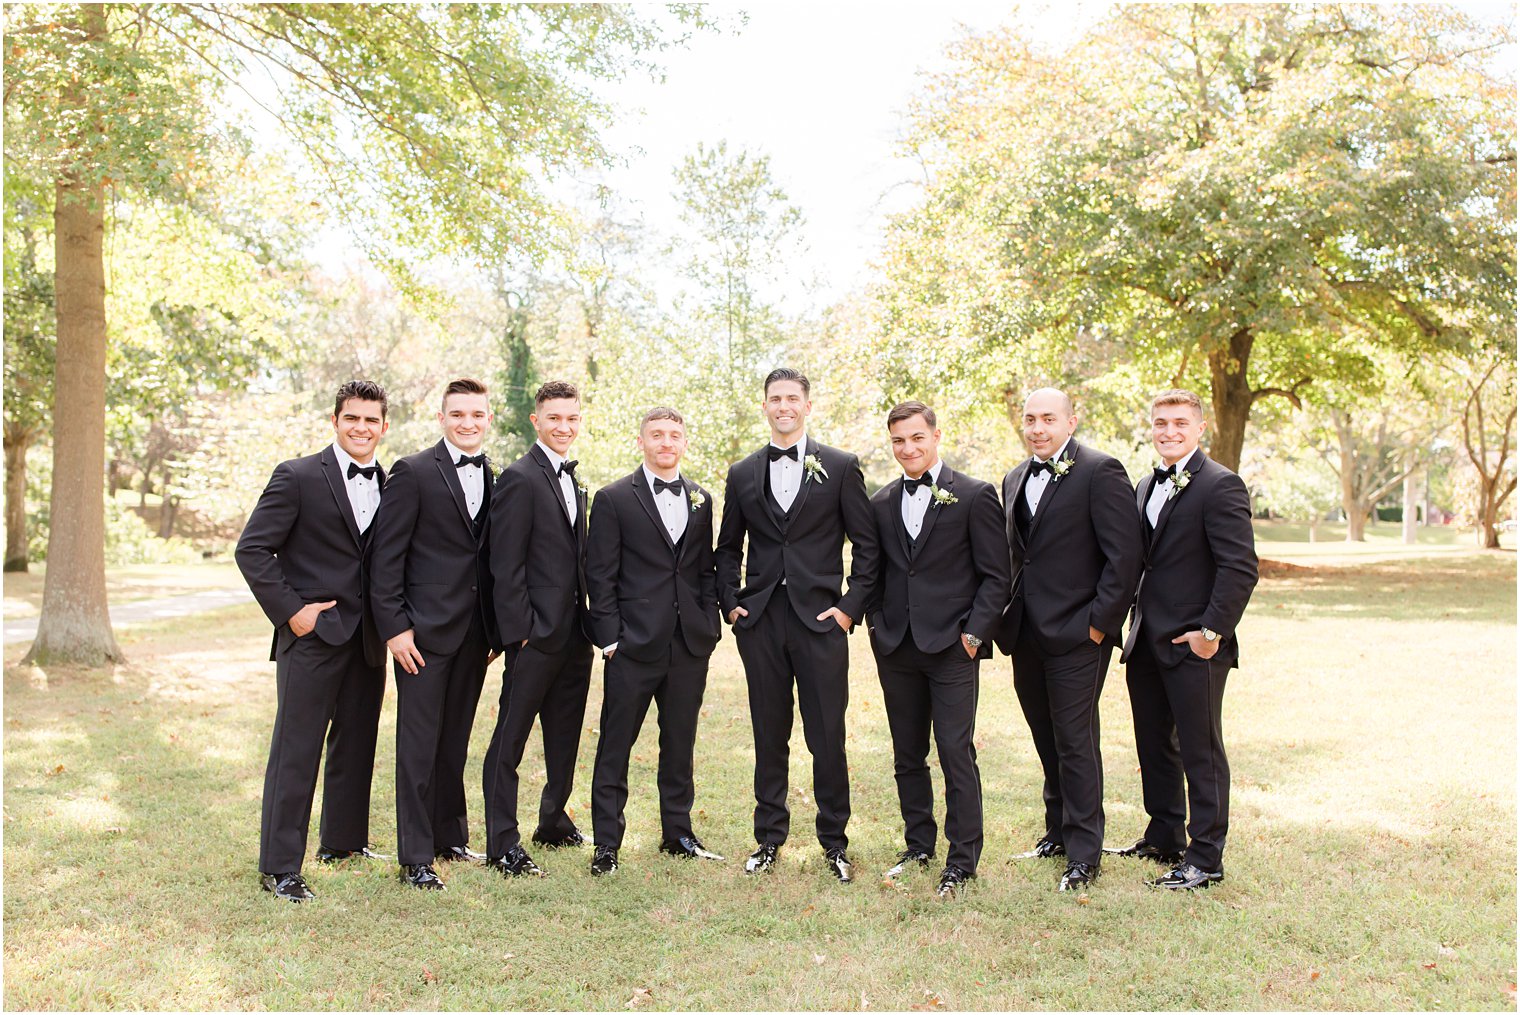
538 570
431 601
305 554
796 500
1075 550
1200 568
654 612
941 591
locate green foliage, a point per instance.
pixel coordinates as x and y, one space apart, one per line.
29 325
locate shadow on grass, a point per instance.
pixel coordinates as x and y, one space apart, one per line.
1478 588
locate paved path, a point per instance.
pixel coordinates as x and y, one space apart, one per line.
144 611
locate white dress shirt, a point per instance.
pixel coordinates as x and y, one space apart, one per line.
1160 494
673 507
566 481
786 475
917 504
471 477
1035 488
363 494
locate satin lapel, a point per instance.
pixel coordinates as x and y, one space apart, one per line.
339 486
1053 487
1143 494
810 448
646 500
559 495
1194 466
1015 537
450 474
948 476
893 507
688 546
762 489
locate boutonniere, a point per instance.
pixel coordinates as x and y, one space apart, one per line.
1179 481
814 469
941 496
580 484
696 498
1060 467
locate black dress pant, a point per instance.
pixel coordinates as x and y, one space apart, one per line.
323 692
939 690
776 651
1178 732
676 684
435 712
550 687
1059 697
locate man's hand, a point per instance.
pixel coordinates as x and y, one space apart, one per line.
971 649
736 613
306 617
840 617
1095 634
404 648
1201 646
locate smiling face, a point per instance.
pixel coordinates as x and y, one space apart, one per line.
359 425
1048 421
465 419
663 442
787 408
558 423
915 445
1176 429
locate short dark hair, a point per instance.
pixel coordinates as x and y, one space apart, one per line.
1178 396
463 386
909 409
660 412
788 374
364 391
555 389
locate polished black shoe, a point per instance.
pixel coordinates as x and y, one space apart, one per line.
839 864
762 859
1186 877
907 858
951 879
573 838
515 862
1078 876
460 854
1044 848
1145 851
604 861
325 855
289 886
422 875
690 847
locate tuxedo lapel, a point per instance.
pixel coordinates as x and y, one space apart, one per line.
1016 487
894 508
809 447
947 477
338 484
1194 465
1053 487
763 490
646 500
559 494
450 474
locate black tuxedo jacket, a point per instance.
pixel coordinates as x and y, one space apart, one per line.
953 578
428 571
537 559
641 583
805 545
1200 562
302 545
1081 561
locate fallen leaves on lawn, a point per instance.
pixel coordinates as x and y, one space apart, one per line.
428 976
640 995
57 770
931 1002
819 960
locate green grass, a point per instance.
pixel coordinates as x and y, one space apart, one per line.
1372 861
130 583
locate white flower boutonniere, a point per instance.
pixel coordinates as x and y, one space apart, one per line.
696 498
941 496
814 469
1060 467
1179 482
580 484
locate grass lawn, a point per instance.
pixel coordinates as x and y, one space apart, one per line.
1372 862
23 590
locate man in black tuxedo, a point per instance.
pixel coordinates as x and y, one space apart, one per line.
431 601
1200 568
1075 552
654 612
796 500
940 594
538 572
305 554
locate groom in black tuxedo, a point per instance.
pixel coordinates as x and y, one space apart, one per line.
654 612
941 591
538 572
432 606
1200 568
1075 552
305 555
796 500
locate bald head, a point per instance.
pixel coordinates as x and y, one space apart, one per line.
1049 420
1043 397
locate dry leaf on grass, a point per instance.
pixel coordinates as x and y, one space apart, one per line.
640 995
932 1002
428 976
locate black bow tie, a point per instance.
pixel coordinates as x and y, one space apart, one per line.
368 472
464 460
1162 475
910 486
675 486
567 468
776 452
1036 467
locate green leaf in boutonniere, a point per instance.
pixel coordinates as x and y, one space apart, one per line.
1060 467
1179 483
696 498
814 469
941 496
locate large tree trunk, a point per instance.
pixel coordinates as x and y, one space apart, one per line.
1356 523
75 625
17 440
1232 398
1411 507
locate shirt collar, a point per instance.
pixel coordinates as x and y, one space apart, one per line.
650 477
455 454
801 445
1059 452
344 459
555 459
933 473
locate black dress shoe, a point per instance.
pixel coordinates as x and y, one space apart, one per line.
906 859
571 838
289 886
1078 876
604 861
1145 851
422 875
460 854
690 847
326 855
762 859
514 863
1185 877
950 881
839 864
1044 848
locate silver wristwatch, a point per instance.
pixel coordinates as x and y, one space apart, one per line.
972 640
1208 635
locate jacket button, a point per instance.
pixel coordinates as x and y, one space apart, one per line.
1028 561
912 574
474 589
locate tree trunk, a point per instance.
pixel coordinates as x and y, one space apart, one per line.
1232 399
1356 523
1314 528
1411 507
17 440
75 624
